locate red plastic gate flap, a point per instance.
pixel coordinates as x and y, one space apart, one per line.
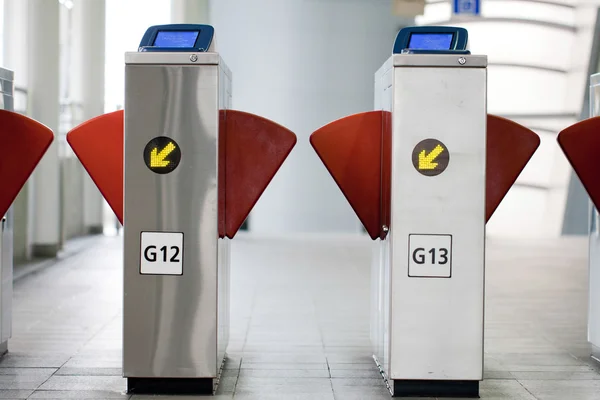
356 150
25 141
98 143
510 146
351 149
581 143
251 151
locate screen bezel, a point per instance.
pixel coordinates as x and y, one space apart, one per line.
202 44
459 40
450 47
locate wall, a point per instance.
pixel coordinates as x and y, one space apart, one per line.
538 54
303 64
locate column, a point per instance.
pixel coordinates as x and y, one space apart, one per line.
190 11
43 85
87 88
15 58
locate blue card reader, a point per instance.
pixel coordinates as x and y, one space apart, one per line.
431 40
178 37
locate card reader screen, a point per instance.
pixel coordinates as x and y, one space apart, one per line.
430 41
176 38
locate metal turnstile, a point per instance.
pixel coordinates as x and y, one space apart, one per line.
594 242
6 239
192 170
26 142
424 172
580 143
430 268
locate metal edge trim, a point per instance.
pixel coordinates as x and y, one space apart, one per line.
171 58
439 60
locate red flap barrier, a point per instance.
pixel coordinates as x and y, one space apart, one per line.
98 143
351 149
252 150
24 141
356 150
580 143
510 146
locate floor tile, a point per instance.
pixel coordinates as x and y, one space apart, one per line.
298 330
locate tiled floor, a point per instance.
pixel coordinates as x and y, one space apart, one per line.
300 324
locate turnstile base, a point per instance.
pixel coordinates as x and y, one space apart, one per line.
415 388
595 353
166 386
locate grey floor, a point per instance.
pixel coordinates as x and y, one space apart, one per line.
300 323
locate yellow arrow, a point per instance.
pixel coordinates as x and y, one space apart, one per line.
426 161
157 159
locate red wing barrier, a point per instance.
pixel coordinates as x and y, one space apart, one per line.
356 150
251 150
98 143
25 141
254 149
351 149
580 143
510 146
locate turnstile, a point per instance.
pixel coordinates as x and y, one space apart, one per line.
24 141
175 315
437 221
6 238
424 173
594 241
182 171
580 143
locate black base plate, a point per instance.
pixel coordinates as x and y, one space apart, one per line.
414 388
166 386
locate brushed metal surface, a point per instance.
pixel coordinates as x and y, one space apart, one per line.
381 262
7 75
437 323
7 227
170 322
594 241
172 58
439 60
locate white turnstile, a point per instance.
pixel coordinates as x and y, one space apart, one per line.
594 241
6 235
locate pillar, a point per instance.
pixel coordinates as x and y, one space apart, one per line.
15 58
43 88
190 12
87 88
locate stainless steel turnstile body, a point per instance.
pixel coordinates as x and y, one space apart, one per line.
594 241
6 238
175 326
427 315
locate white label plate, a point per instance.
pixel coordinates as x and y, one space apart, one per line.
429 256
161 253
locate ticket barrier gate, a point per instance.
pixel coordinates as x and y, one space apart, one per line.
24 141
181 171
424 173
581 143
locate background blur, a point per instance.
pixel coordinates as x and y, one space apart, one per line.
302 63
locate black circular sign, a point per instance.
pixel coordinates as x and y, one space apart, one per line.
162 155
430 157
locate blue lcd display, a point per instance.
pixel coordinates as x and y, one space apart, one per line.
176 38
430 41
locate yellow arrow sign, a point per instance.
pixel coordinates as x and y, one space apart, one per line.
157 159
426 161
